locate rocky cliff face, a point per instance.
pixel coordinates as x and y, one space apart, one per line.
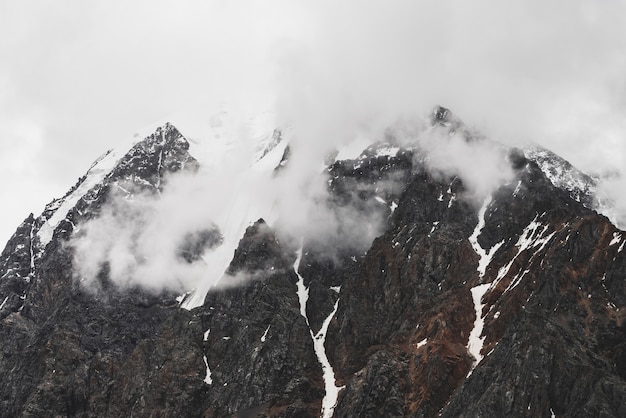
510 306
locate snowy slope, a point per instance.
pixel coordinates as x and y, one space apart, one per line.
95 175
563 174
247 149
241 150
581 186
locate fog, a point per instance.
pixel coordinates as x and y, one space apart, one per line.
82 77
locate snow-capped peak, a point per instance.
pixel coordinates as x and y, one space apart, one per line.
564 175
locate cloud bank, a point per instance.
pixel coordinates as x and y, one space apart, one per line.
155 240
535 71
184 237
84 76
147 240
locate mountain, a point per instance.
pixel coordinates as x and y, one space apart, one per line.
511 304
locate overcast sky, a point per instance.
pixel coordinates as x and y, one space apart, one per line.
79 77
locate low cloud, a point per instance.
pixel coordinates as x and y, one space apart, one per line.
611 203
340 72
481 164
184 237
146 240
551 75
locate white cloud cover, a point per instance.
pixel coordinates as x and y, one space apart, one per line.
83 76
482 165
138 234
140 242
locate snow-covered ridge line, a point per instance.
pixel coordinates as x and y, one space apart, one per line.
562 173
95 175
581 186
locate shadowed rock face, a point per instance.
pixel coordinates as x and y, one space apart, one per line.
258 346
65 351
545 275
16 268
550 307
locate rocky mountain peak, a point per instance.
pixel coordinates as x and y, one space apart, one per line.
440 115
445 118
512 307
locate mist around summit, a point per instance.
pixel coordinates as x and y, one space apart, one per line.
301 229
137 236
535 71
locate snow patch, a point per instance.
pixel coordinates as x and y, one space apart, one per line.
217 262
387 151
32 248
617 237
303 292
264 336
530 238
475 343
352 149
517 188
435 224
207 379
485 256
332 391
160 165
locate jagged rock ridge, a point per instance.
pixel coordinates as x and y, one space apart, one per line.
512 308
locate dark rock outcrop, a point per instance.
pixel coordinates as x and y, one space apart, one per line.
257 343
65 350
